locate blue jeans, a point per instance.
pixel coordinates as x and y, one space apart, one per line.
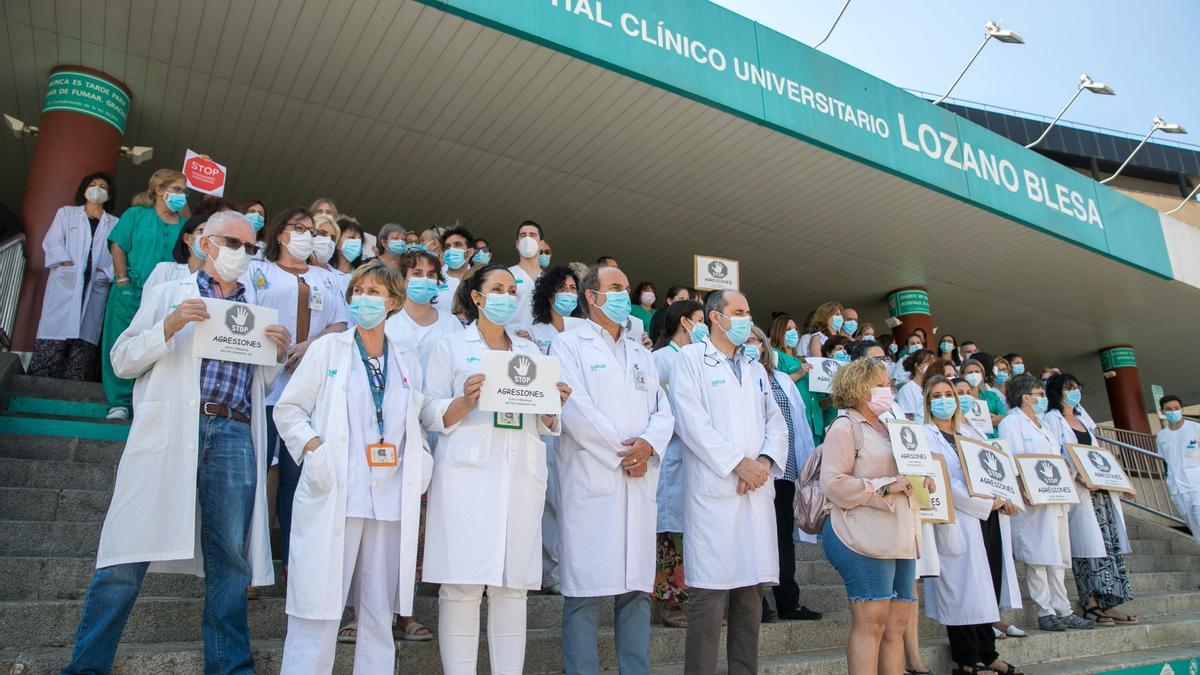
869 578
289 478
580 632
225 485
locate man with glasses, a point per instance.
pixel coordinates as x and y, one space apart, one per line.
198 441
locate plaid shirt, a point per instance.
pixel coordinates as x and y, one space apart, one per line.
790 471
224 382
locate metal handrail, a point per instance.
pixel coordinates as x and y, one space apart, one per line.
12 270
1148 473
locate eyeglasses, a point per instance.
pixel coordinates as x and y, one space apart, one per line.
299 228
232 244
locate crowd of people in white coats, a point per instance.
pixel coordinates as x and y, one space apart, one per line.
669 478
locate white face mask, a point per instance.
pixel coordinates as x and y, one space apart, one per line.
300 245
323 247
231 263
973 379
528 247
96 194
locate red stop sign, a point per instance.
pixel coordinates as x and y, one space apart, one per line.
204 174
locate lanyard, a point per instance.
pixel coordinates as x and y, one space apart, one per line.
376 378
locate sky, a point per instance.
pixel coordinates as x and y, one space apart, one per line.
1146 51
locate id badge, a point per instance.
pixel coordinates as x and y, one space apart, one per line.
381 454
508 420
639 378
315 300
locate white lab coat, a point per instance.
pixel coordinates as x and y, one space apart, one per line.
164 272
669 492
911 399
315 404
1180 449
524 318
484 518
730 538
1086 539
445 296
607 521
153 515
1035 530
69 311
401 328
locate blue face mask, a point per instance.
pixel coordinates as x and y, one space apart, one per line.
617 306
913 349
791 338
965 403
351 249
836 322
482 257
544 260
197 249
368 310
842 356
739 329
1001 377
943 408
893 348
421 290
751 352
455 258
947 347
1018 368
1040 405
175 201
1072 397
256 220
397 247
1173 416
565 303
699 332
850 326
500 308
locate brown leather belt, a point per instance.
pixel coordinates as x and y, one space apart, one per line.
218 410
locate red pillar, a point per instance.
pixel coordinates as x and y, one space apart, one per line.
910 306
1124 386
83 119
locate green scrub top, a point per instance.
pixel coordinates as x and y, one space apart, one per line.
146 239
995 406
644 315
788 364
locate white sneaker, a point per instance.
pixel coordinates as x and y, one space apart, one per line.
118 413
1013 631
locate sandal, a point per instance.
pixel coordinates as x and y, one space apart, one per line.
1009 669
1126 619
411 631
1096 614
675 618
977 669
348 634
910 671
1000 635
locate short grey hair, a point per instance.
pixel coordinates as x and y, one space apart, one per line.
717 302
219 222
589 281
1018 387
382 237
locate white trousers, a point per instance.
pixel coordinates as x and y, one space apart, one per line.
1188 504
550 516
371 562
1046 583
458 628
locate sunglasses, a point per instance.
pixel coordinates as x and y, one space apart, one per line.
251 248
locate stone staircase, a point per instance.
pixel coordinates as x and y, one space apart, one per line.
57 462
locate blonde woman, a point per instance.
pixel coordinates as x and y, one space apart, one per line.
827 321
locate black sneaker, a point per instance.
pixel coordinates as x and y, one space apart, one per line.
801 613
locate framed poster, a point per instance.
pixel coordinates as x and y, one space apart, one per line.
820 378
235 331
910 447
1099 469
941 502
980 417
715 274
988 469
1047 479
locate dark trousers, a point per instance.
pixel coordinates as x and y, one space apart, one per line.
787 593
705 609
977 643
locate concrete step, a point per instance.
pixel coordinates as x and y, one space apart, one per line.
55 407
58 475
50 504
20 446
66 390
102 430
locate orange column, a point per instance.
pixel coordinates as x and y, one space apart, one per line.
1124 386
83 119
910 306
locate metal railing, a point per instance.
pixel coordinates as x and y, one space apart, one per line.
12 270
1145 468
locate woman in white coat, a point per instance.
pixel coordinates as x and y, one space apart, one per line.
1096 523
419 324
488 486
965 596
684 324
1040 534
350 417
80 273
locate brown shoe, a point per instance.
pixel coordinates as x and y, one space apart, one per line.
253 593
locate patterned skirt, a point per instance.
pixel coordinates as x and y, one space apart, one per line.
65 360
1104 579
668 579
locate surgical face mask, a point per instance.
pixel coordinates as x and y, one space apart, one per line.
699 332
943 408
527 247
256 221
419 247
500 308
965 403
914 348
850 326
648 297
455 258
842 355
1018 368
565 303
947 347
881 400
368 310
397 247
616 306
323 247
739 329
791 338
893 348
752 352
175 201
1072 397
1001 377
300 245
482 257
352 248
1173 416
96 194
867 338
973 379
197 249
420 290
544 260
1040 404
836 322
231 263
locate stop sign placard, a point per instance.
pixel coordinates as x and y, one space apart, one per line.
203 174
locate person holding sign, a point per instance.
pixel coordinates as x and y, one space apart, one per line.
735 442
616 425
975 563
192 476
1096 523
1040 533
349 415
1179 445
488 488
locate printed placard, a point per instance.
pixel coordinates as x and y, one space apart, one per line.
941 502
988 469
1047 479
980 417
1099 469
517 383
715 274
204 175
910 447
820 379
235 331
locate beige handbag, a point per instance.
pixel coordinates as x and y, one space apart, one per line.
810 507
